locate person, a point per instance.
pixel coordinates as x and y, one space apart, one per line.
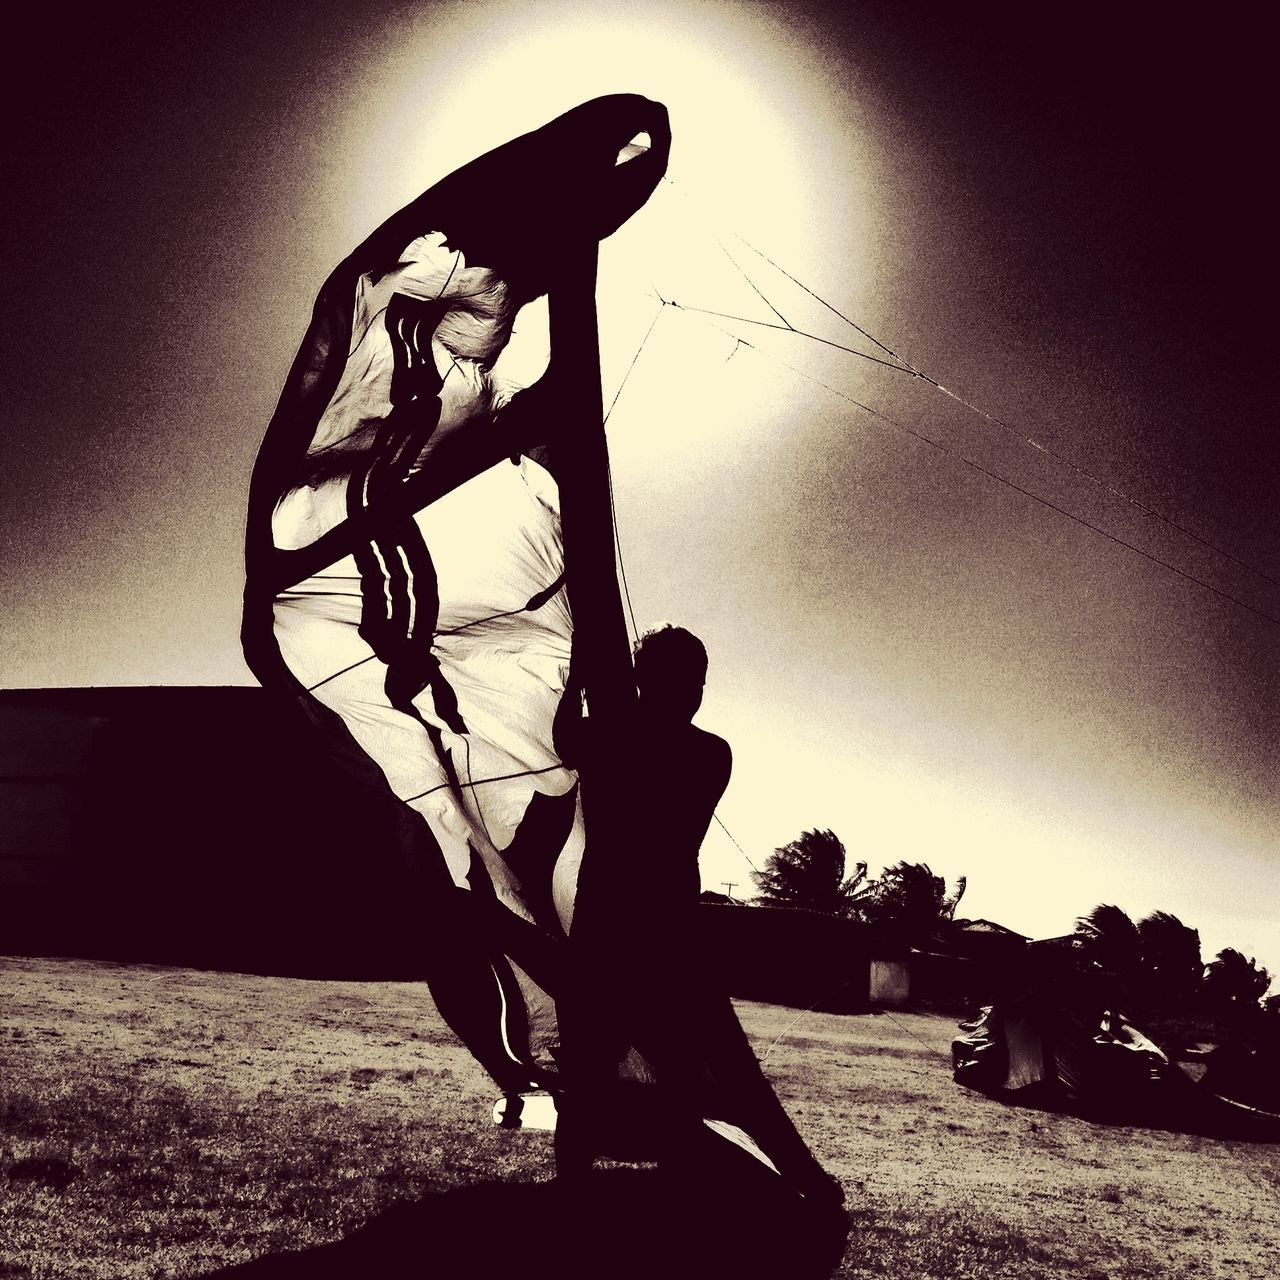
639 975
677 774
632 937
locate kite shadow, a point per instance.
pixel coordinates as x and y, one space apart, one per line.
624 1224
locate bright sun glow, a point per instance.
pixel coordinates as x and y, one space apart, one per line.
742 134
754 137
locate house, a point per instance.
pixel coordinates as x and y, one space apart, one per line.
195 826
977 938
966 963
786 955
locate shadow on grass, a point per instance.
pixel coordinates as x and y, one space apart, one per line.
1174 1108
626 1223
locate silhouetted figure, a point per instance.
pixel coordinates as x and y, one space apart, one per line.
639 977
632 944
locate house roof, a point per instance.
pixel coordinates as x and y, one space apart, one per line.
988 927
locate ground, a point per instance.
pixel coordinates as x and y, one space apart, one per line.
172 1122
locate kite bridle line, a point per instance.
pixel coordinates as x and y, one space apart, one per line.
613 508
998 478
899 362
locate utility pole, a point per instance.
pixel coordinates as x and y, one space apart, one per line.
728 884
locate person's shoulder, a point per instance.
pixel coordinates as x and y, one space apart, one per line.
712 741
714 748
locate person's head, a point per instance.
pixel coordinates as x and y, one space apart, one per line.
671 670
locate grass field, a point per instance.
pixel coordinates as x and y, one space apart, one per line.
170 1122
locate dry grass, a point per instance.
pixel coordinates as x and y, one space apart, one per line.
946 1182
167 1122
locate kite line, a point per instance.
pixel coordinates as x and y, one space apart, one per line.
996 476
613 509
897 361
1007 427
900 363
799 333
906 367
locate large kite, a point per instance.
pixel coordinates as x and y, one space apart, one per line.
406 572
430 569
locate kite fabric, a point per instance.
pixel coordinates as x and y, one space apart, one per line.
405 561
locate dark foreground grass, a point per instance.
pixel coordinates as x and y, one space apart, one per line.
166 1123
159 1122
136 1177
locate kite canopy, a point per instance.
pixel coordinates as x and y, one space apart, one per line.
406 576
460 260
575 181
1049 1046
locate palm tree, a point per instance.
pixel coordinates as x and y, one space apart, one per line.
910 901
809 873
1169 953
1231 982
1111 940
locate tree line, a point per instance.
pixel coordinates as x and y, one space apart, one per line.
1154 964
907 900
1157 964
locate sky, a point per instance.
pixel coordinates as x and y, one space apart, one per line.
1032 641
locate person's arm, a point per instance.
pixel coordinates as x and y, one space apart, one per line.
716 769
571 729
725 768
